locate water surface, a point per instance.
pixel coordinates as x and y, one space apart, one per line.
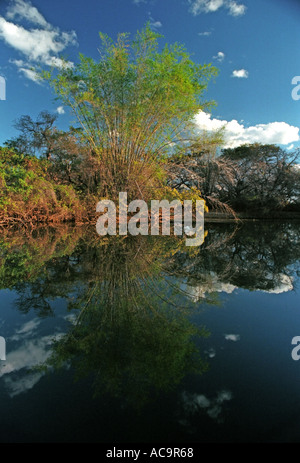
141 339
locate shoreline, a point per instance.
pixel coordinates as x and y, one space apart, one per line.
251 216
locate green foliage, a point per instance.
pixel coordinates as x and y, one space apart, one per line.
29 196
134 104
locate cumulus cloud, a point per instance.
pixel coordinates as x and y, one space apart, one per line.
25 10
236 9
35 44
240 74
237 134
219 56
211 6
41 44
205 6
60 110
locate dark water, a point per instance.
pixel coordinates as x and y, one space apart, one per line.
145 340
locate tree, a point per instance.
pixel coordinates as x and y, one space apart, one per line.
71 161
135 106
265 177
37 137
204 169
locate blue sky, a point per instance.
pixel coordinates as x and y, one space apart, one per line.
254 43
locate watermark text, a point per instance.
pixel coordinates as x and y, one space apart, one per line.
163 214
2 88
2 348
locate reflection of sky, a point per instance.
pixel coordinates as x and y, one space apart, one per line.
232 337
285 284
27 346
193 404
214 285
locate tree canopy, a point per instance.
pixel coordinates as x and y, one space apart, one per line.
135 104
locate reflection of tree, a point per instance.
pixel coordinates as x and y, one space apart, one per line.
131 329
129 332
256 257
33 265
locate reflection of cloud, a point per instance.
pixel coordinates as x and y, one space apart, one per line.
26 330
30 354
71 318
232 337
210 352
19 385
285 284
193 403
212 285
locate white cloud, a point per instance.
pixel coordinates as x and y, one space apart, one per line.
18 62
205 6
154 24
60 110
232 337
236 9
30 74
38 45
240 74
237 134
205 33
219 56
35 44
211 6
27 71
25 10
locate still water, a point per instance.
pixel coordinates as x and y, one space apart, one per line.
145 340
